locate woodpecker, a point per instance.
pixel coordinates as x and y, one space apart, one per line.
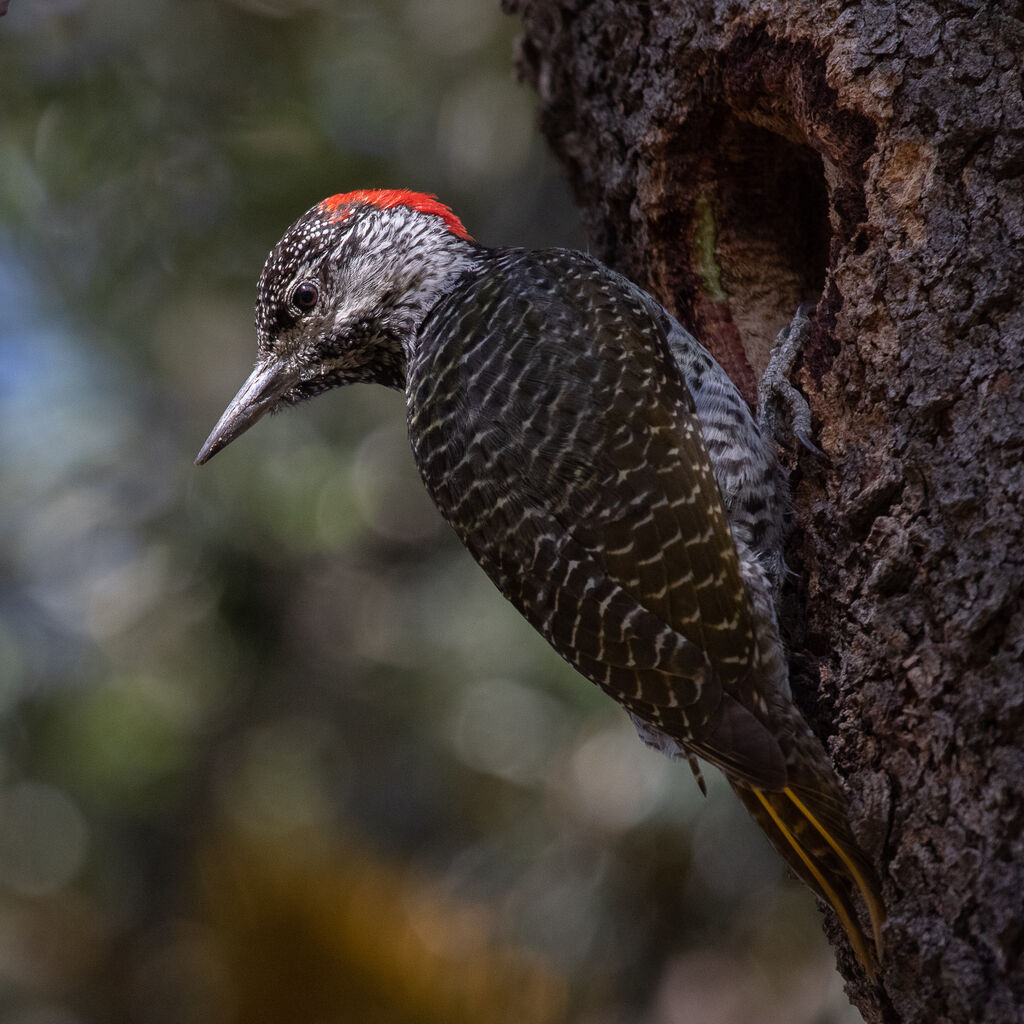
600 466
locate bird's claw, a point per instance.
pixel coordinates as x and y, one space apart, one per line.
777 398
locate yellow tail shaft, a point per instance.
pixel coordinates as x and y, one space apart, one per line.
824 854
867 887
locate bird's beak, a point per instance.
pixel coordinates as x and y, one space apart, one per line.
259 394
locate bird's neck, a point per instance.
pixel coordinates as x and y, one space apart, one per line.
423 281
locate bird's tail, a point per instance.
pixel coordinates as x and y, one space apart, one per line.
807 824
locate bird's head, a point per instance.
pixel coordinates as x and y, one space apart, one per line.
341 298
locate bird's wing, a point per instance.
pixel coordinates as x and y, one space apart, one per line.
555 434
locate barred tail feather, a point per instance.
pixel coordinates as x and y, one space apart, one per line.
819 847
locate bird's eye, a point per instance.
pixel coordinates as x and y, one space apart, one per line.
305 296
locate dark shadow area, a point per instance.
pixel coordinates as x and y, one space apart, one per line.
773 231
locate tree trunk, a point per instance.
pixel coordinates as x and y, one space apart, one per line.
737 159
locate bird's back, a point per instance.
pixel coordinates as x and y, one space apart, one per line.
554 432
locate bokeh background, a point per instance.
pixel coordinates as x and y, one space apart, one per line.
272 749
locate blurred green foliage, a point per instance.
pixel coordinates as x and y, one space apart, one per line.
272 747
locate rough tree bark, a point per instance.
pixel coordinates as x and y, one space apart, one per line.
737 158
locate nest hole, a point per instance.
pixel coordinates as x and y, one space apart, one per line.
772 231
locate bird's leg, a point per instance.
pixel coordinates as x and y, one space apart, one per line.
697 774
777 399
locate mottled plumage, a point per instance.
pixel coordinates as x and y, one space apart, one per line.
594 510
597 463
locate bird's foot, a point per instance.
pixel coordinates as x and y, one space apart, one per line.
777 399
